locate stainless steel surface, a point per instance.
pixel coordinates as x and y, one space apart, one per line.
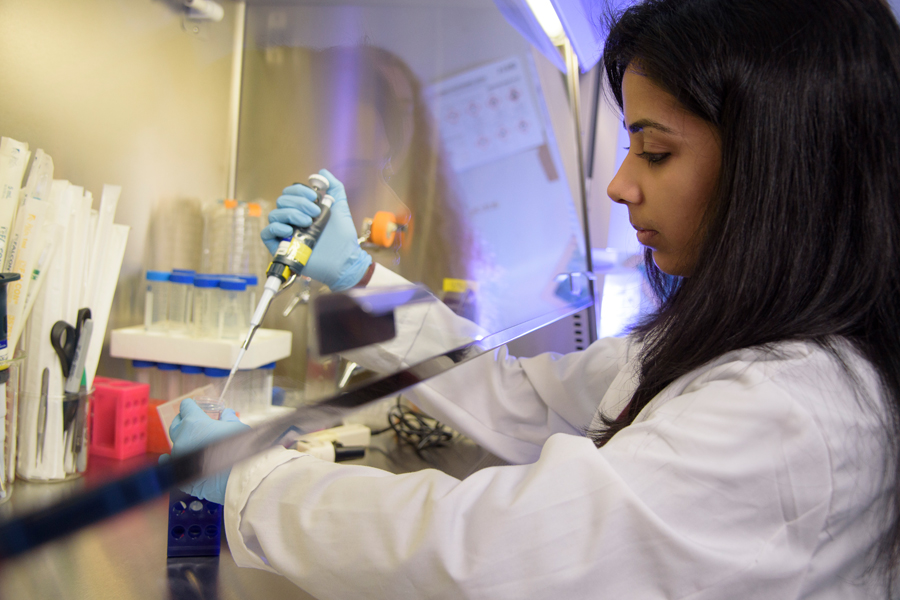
125 558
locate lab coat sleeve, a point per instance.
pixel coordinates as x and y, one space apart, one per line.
721 492
511 406
517 403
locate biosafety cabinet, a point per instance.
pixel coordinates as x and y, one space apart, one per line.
474 148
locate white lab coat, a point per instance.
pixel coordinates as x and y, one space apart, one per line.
756 476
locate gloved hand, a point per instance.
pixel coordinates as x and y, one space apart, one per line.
193 429
337 260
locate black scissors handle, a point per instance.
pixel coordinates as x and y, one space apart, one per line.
64 339
62 336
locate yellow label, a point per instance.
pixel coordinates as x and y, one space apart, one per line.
459 285
302 253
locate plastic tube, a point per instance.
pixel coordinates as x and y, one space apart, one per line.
206 306
181 287
170 380
156 301
192 378
252 281
143 370
233 308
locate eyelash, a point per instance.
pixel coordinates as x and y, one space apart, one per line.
651 158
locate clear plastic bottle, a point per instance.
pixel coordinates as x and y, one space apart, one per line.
252 283
192 378
234 309
206 306
231 242
256 257
181 288
169 380
156 301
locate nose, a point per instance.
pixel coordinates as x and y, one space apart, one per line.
624 187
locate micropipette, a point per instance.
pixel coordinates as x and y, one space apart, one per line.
292 255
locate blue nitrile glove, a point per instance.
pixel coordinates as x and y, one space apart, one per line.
192 429
337 260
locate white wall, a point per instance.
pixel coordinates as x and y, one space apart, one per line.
117 91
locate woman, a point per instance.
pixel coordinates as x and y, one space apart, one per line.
742 443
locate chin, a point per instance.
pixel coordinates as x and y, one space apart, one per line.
669 266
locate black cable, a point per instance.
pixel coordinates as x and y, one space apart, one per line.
416 429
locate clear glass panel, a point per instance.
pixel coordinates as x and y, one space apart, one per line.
435 115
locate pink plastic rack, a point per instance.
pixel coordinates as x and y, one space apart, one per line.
119 418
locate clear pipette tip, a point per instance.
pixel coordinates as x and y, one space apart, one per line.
269 291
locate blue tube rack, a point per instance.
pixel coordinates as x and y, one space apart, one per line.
195 526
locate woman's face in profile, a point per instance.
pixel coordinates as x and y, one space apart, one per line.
669 175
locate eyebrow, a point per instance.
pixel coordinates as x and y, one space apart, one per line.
642 124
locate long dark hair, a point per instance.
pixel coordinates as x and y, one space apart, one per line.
802 238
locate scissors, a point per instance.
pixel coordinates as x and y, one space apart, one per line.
65 338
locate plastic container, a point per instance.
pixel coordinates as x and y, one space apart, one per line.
216 380
169 380
54 436
143 372
252 283
213 407
119 418
158 382
231 238
181 293
234 308
192 378
206 306
11 380
156 301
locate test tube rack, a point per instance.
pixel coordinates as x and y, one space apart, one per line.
118 418
269 345
195 526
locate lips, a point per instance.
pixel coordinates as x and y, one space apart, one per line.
645 236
